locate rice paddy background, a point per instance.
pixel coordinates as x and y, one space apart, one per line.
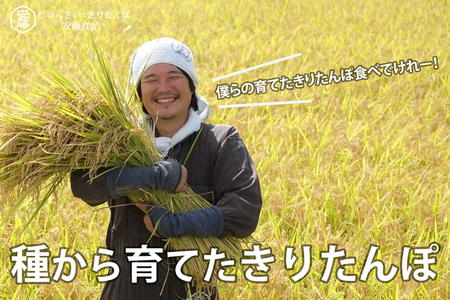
366 162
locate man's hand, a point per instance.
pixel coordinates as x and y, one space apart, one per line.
148 222
182 186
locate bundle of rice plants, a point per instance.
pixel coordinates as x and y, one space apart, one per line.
89 123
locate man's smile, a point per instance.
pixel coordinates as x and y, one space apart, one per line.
165 100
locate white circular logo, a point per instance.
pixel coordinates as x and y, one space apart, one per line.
22 19
182 50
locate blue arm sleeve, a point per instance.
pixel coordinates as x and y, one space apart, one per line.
199 223
163 175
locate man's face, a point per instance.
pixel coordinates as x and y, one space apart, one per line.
165 92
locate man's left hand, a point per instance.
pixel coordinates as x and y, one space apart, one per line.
148 222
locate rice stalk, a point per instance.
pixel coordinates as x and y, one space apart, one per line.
88 124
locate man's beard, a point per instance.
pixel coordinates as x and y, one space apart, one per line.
166 118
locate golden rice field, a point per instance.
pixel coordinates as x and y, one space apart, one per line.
365 164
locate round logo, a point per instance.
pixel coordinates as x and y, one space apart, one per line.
182 50
22 19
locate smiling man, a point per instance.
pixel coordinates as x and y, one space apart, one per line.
217 166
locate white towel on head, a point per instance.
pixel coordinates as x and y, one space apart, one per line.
159 51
